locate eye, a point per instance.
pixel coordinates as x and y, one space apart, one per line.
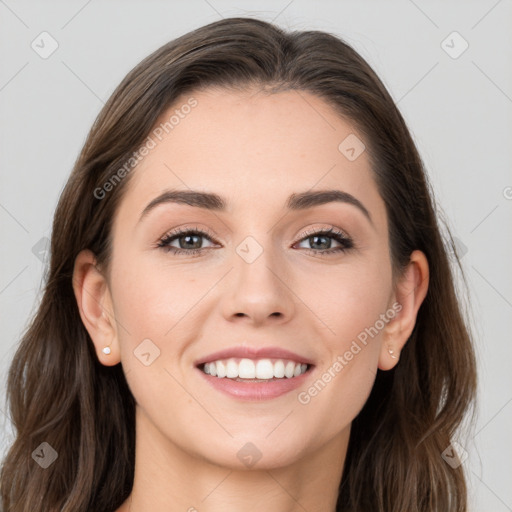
189 241
321 240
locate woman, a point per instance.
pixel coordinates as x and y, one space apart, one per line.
249 304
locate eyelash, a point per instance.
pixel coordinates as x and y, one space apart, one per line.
339 236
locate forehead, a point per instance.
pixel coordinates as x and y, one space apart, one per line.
253 148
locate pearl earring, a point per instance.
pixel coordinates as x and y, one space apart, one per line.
106 350
391 353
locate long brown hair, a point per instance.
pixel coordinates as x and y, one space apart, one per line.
60 394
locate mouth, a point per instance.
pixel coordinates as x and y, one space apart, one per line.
249 370
255 380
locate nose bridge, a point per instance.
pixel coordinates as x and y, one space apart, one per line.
259 280
257 263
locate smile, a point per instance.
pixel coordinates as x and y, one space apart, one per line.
246 369
255 380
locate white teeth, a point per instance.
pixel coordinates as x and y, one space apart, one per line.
221 369
264 369
249 369
246 369
279 369
232 369
290 369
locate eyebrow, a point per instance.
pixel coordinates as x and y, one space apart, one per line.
214 202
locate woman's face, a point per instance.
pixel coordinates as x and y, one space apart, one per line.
261 280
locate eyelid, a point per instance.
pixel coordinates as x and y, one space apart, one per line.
329 229
185 229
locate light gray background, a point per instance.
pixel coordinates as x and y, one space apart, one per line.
458 109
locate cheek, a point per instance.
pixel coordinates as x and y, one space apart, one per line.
148 299
148 308
156 308
355 308
350 301
347 371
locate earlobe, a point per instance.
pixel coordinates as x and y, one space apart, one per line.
411 290
95 306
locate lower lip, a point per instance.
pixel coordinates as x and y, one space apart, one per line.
256 390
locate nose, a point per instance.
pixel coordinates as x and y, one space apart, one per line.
259 291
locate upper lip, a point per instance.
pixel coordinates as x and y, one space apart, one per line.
254 353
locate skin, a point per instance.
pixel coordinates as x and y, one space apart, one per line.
187 433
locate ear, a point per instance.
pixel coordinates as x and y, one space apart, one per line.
95 305
410 291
